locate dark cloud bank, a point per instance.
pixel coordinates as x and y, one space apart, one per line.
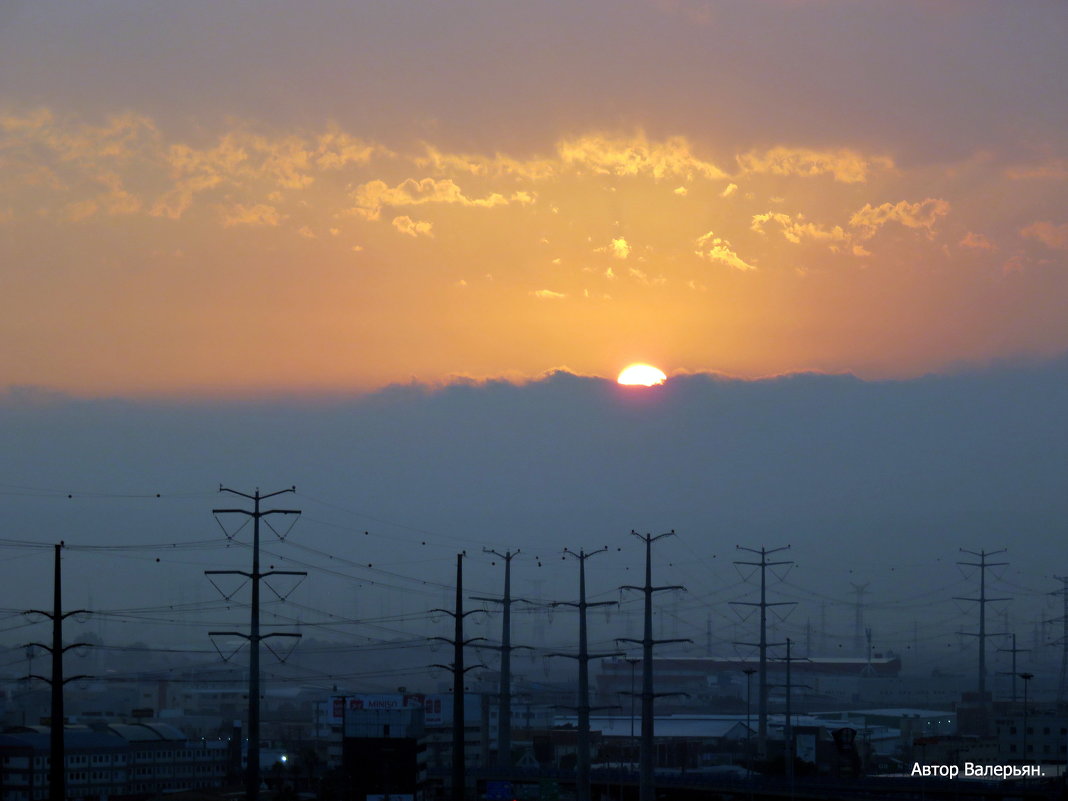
839 467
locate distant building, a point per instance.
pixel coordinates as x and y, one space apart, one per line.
105 761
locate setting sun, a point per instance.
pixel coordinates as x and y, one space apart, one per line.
644 375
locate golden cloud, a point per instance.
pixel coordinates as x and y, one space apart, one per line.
440 162
370 198
717 249
636 155
1053 236
925 214
409 227
547 294
259 214
976 241
797 231
846 166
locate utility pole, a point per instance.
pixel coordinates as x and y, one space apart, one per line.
858 616
459 768
1014 650
57 775
646 757
1062 684
788 725
762 690
504 705
582 764
982 600
254 638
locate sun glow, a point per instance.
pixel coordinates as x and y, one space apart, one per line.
644 375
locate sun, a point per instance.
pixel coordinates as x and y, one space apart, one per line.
644 375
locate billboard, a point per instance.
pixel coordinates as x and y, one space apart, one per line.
340 704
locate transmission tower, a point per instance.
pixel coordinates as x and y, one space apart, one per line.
1062 684
646 754
762 702
858 617
459 767
57 775
582 765
982 600
1014 650
254 638
504 708
788 727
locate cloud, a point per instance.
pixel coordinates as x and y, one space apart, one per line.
729 190
635 155
1053 170
976 241
846 166
438 161
547 294
862 226
619 248
336 149
1049 234
796 230
409 227
714 248
922 215
370 198
259 214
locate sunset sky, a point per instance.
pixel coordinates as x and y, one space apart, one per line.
217 199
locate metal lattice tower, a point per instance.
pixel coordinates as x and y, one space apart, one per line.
646 788
762 702
982 600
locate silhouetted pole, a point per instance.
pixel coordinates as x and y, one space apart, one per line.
647 754
1062 682
459 775
1014 650
504 704
748 719
252 770
56 770
582 762
858 616
982 600
57 776
762 700
788 729
1026 680
459 778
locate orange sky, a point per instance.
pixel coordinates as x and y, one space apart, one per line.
184 242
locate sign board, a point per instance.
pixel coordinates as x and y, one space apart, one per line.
342 704
437 709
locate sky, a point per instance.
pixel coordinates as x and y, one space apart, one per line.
396 253
205 199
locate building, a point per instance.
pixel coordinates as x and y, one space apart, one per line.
111 760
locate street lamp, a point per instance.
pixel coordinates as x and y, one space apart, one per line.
1026 680
748 728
